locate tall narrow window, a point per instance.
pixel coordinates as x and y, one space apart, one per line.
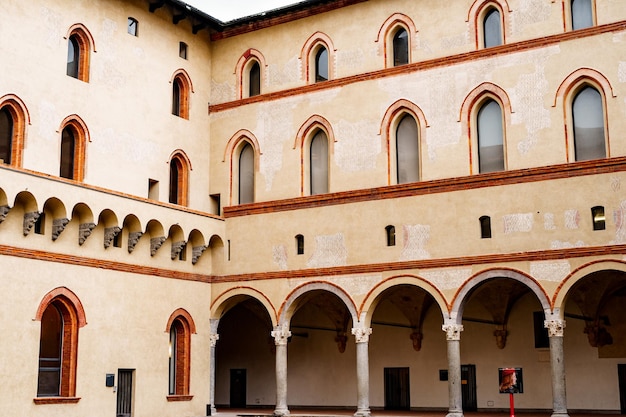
176 96
492 28
300 244
180 327
61 315
255 80
598 218
407 150
78 48
180 95
246 174
588 120
50 353
390 231
582 14
319 163
321 64
132 26
485 227
400 47
490 137
179 179
6 136
68 153
175 168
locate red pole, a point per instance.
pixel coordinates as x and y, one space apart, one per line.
512 405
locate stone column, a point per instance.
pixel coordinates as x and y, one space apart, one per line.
213 338
455 396
281 335
362 337
556 328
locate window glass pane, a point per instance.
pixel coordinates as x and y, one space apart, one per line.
582 16
490 138
182 50
246 175
172 361
407 150
73 57
68 144
319 164
491 28
255 80
588 118
401 48
6 135
321 65
174 180
176 90
132 26
50 348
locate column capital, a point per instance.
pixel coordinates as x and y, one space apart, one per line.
453 331
361 334
555 327
281 335
213 338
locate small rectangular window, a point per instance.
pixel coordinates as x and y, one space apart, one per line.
132 26
182 50
598 218
40 224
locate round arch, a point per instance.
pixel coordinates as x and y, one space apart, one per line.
229 298
371 300
462 295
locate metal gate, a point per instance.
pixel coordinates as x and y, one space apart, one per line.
124 392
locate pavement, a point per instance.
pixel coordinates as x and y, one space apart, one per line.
266 412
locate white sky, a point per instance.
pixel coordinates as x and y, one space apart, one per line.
226 10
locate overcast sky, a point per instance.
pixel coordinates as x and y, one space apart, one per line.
226 10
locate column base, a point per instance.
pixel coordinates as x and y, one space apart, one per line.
363 413
280 412
560 414
212 411
455 414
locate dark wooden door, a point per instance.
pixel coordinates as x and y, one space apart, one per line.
397 393
238 388
468 387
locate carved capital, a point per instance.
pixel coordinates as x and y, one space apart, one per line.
213 338
84 231
417 337
453 331
58 226
196 252
362 335
555 327
109 235
133 238
29 221
4 210
281 335
177 247
155 244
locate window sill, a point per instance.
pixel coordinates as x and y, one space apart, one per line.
171 398
56 400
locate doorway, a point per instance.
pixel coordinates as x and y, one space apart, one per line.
397 393
238 388
468 387
124 393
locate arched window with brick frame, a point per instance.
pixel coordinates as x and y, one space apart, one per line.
79 47
488 22
61 315
180 327
318 56
74 137
181 94
179 178
13 120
